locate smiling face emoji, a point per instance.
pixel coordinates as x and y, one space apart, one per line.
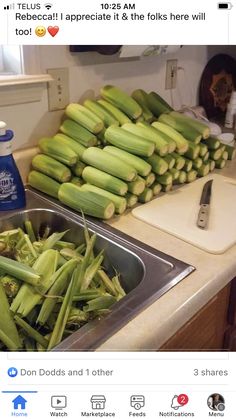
40 31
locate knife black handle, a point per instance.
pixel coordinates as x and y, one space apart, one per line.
203 216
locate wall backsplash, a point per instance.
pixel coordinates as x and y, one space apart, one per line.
32 120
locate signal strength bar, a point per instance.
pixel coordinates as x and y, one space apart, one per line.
9 7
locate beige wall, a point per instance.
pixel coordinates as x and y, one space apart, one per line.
89 71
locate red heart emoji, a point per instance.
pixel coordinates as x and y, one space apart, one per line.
53 30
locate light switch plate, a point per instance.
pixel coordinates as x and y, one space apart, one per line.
58 89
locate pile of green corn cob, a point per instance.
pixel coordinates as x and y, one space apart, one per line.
49 288
116 151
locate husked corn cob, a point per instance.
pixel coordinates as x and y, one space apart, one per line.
131 199
191 176
51 167
181 179
197 163
143 130
203 170
193 151
165 179
78 168
122 100
118 201
141 98
157 104
206 157
129 142
188 165
89 202
53 148
108 163
43 183
231 152
78 133
159 165
64 140
143 168
215 154
77 181
146 195
101 112
179 161
104 180
137 186
167 188
186 130
84 117
115 112
170 160
175 173
220 163
150 179
202 128
182 144
203 149
212 143
156 188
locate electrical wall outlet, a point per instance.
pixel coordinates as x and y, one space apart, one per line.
171 74
58 90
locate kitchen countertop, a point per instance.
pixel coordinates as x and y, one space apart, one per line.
156 324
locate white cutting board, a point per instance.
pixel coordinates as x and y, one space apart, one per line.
176 213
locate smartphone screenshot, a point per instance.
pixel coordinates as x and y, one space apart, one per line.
117 209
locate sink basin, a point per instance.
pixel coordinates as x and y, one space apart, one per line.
146 273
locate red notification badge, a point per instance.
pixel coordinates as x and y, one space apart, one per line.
182 399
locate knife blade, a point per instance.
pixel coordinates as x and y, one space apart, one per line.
204 212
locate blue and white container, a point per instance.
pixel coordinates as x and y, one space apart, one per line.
12 192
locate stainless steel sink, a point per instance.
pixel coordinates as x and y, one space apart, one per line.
146 273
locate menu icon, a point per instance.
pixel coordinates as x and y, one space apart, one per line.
216 402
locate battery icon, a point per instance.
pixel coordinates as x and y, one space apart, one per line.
225 6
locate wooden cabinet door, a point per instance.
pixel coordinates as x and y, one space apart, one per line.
230 339
232 304
230 334
205 331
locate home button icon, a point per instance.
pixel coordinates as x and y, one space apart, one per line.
19 403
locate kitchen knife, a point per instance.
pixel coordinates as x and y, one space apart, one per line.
203 215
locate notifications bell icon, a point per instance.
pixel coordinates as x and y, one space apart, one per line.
179 401
174 404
